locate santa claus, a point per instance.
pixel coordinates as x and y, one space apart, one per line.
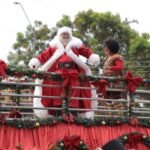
63 52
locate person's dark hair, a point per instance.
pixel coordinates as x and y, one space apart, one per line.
113 145
112 45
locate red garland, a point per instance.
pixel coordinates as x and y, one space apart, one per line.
101 84
69 77
2 68
72 143
133 82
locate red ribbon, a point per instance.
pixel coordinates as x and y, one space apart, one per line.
69 77
2 118
68 118
14 114
133 82
101 84
134 121
134 138
72 143
2 68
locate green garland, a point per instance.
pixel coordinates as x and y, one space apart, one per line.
135 137
29 74
34 123
20 71
23 71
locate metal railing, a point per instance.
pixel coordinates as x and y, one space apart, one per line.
23 101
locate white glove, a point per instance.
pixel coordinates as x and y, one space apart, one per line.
34 63
94 60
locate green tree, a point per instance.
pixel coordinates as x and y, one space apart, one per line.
27 45
139 55
93 28
65 21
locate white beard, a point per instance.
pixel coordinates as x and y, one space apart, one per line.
64 41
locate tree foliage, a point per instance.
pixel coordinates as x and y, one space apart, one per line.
92 27
30 43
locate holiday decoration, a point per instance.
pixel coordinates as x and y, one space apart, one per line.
69 77
68 118
33 123
2 119
101 85
2 68
14 114
132 82
134 121
134 138
71 143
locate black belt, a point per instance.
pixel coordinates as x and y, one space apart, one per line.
67 65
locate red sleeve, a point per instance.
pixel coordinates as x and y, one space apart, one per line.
85 51
118 65
45 55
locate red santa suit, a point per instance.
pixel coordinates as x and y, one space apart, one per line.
54 59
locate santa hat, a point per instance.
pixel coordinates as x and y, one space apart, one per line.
64 29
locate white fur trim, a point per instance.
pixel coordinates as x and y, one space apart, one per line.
79 62
64 29
89 115
34 63
94 60
52 60
41 113
75 42
55 42
94 104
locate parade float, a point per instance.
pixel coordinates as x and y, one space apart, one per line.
21 129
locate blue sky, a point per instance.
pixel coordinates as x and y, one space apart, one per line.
13 19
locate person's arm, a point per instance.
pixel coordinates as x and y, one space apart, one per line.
44 56
40 59
93 59
118 65
85 51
